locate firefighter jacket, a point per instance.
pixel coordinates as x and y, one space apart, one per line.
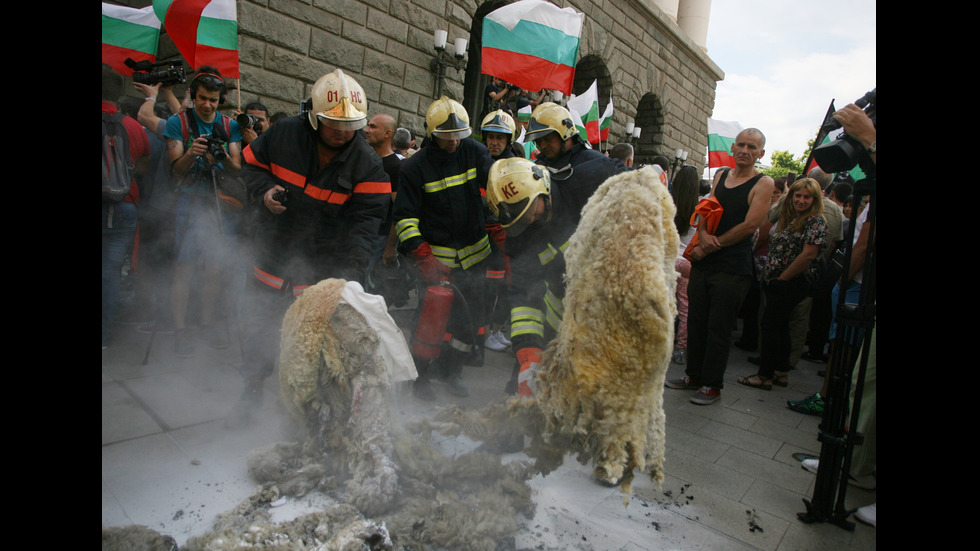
565 166
332 214
439 202
537 255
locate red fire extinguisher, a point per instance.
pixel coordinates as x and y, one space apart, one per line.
433 318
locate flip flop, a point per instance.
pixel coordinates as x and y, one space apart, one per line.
765 383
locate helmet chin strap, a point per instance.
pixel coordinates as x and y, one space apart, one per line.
556 171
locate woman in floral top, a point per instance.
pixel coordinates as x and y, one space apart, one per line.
794 244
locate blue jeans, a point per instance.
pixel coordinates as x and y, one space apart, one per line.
118 231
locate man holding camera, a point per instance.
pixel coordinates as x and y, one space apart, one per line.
253 121
204 147
323 195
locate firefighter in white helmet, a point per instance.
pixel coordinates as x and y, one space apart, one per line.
539 216
439 218
499 133
560 146
324 194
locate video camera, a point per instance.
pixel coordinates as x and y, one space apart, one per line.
144 74
845 152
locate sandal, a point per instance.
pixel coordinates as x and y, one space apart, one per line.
756 381
781 380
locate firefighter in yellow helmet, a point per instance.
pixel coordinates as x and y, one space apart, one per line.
325 194
539 216
439 218
560 147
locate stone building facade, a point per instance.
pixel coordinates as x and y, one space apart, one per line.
658 76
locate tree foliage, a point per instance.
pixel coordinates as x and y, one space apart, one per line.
783 163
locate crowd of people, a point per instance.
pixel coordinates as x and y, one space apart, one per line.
263 206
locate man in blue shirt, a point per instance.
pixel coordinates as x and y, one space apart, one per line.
204 223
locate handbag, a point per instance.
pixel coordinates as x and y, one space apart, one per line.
708 212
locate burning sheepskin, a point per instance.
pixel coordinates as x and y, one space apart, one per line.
601 381
333 376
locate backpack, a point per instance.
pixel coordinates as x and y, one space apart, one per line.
117 166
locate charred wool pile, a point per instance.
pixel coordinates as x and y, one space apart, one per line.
600 388
395 490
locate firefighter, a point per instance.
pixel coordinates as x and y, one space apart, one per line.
440 222
560 146
499 133
324 194
539 218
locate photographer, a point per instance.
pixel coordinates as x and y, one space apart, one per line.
204 147
253 121
859 126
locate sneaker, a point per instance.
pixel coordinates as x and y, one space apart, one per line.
680 356
422 389
184 344
868 514
684 383
457 388
810 465
706 396
497 342
811 405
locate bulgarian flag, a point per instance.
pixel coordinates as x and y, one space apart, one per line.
524 113
721 136
530 150
205 31
585 113
532 44
606 121
128 32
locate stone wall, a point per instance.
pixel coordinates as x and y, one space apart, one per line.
658 77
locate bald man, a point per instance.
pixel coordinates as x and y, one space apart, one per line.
379 133
721 270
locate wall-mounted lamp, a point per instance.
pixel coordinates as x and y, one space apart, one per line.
679 157
442 60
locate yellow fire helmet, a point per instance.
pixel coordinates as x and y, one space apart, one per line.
512 187
338 102
447 119
550 117
501 123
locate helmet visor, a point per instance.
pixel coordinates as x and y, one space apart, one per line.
343 126
515 217
452 135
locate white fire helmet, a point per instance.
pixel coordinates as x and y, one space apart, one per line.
338 102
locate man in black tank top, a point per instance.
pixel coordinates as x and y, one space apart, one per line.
722 268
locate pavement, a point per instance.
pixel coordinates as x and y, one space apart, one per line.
733 474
